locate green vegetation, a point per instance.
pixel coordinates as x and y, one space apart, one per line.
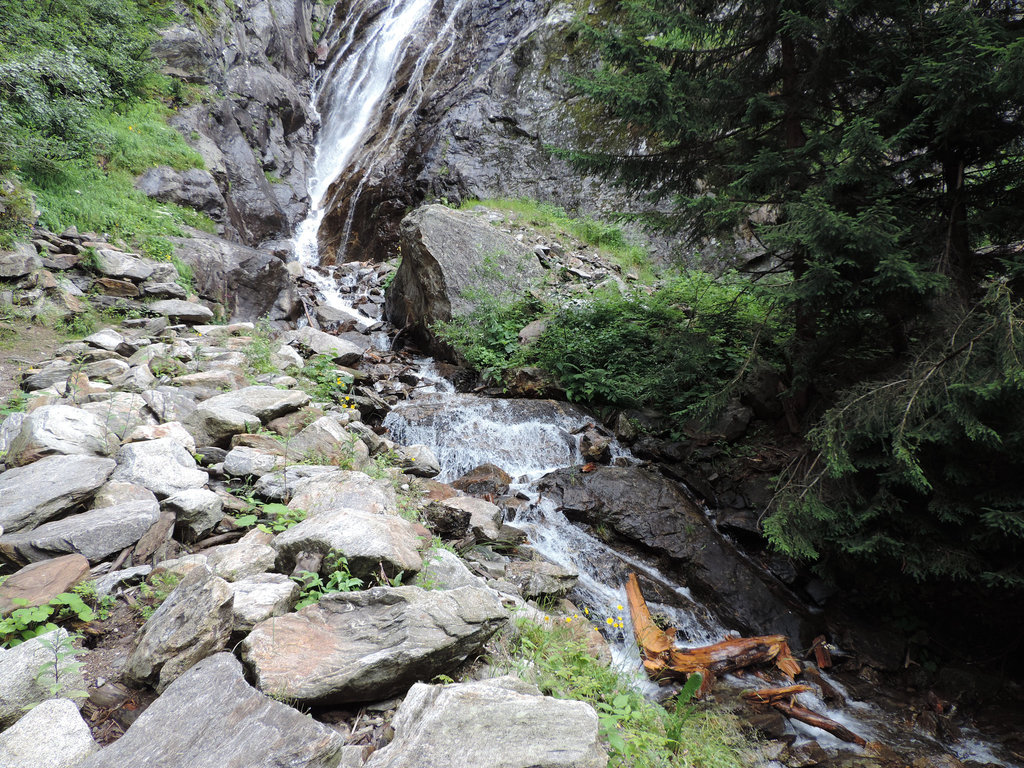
282 517
547 217
82 113
27 622
258 351
339 580
153 591
63 661
640 733
101 606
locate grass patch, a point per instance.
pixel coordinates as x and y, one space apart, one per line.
607 238
639 733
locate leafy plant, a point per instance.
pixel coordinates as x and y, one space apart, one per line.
53 673
27 621
101 606
258 351
282 518
339 580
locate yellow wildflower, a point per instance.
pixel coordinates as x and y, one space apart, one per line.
610 620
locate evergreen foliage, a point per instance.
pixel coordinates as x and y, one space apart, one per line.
873 149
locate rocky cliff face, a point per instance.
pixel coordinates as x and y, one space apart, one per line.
479 100
253 126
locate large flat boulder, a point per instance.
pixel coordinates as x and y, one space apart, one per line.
498 723
60 429
51 734
314 342
211 717
20 686
265 403
363 646
94 535
34 494
326 491
448 255
369 541
163 466
38 583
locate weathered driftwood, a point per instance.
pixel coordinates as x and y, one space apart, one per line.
664 662
810 717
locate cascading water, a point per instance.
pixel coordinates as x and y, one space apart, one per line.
529 439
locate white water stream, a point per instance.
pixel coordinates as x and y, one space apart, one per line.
466 431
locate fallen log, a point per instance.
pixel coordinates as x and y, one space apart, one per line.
772 695
811 717
663 661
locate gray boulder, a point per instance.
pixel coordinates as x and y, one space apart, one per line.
185 727
121 412
9 429
19 669
119 264
324 492
314 342
265 403
191 624
539 579
281 486
249 556
182 311
214 424
60 429
196 511
327 442
169 403
418 460
193 188
162 466
498 723
251 462
23 260
54 372
446 255
443 569
484 517
364 646
260 597
95 535
52 734
34 494
369 541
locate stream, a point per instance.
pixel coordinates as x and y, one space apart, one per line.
528 439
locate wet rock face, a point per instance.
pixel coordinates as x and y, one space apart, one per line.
648 510
255 135
494 93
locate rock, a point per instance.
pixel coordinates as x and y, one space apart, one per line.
108 583
260 597
60 429
182 311
191 624
249 462
113 493
539 579
163 290
196 511
645 508
96 534
485 480
280 486
364 646
162 466
20 687
369 541
595 447
38 583
249 556
23 260
34 494
172 429
106 338
9 429
418 460
208 383
121 412
185 727
265 403
51 734
169 404
194 188
110 286
325 492
315 342
443 569
284 357
215 424
489 723
447 522
327 442
446 255
484 517
249 282
118 264
532 331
